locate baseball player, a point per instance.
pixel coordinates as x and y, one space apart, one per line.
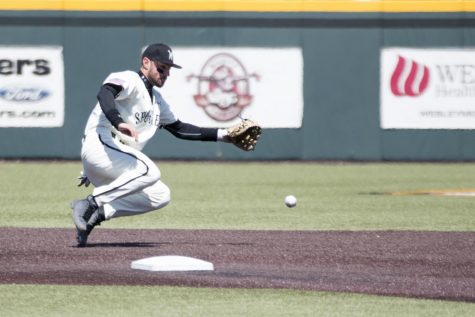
129 111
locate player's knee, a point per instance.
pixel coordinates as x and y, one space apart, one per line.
153 174
161 198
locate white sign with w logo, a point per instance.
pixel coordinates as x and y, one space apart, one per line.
427 88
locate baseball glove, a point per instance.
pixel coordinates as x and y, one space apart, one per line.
245 134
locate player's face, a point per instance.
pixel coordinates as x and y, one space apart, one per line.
158 73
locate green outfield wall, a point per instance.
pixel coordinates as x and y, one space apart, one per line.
341 79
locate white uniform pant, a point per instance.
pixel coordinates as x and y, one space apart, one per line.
126 181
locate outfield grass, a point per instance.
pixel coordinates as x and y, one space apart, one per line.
242 196
250 196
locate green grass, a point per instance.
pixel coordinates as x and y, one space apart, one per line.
250 196
242 196
50 300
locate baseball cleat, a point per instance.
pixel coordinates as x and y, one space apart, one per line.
81 238
80 209
95 220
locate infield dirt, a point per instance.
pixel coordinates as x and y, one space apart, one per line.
436 265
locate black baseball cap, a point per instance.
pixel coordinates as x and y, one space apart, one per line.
160 52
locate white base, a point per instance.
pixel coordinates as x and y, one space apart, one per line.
172 263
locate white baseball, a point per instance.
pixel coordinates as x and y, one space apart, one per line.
290 201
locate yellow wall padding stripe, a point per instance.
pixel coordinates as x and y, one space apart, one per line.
244 5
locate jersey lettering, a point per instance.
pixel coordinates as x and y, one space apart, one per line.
147 117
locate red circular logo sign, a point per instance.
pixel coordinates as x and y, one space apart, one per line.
223 89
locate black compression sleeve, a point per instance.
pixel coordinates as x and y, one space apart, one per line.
188 131
106 97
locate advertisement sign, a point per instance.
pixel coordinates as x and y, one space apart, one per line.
218 86
427 88
31 86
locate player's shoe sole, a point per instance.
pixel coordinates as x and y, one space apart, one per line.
81 238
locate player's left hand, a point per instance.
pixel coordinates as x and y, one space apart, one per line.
245 134
83 180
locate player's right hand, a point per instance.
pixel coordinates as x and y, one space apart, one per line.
129 130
